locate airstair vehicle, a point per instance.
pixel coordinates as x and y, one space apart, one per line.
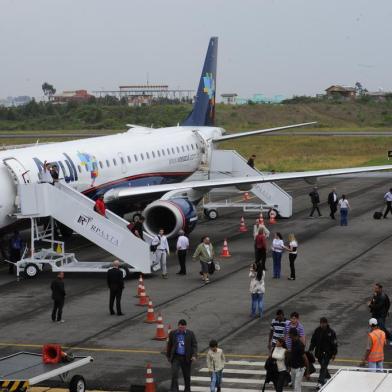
62 203
228 163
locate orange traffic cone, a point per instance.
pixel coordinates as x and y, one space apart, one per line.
243 227
140 288
272 215
160 332
225 250
150 384
246 196
150 314
143 299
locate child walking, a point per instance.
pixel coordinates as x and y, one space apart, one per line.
215 363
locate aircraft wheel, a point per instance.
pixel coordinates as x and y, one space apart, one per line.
77 384
212 214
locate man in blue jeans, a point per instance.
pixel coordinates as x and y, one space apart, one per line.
181 351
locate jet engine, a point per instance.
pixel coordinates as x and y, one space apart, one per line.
171 215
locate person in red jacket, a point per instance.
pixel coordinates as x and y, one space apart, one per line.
100 206
261 248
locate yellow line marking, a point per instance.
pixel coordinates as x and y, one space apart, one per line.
155 352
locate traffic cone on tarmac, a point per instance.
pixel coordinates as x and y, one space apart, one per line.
150 384
160 331
143 299
225 250
150 314
140 288
246 196
243 227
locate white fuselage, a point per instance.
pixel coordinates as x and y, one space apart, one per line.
141 156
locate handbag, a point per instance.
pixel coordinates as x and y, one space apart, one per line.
217 266
211 267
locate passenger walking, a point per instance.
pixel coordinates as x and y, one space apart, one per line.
280 355
388 200
54 172
278 325
344 207
58 296
257 289
251 161
315 199
277 249
115 280
205 253
182 247
325 344
16 250
379 306
374 354
294 323
333 203
293 250
162 250
298 360
181 351
100 206
215 364
137 228
261 249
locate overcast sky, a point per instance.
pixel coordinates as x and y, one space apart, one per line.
288 47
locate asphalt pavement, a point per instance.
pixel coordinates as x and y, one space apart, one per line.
336 269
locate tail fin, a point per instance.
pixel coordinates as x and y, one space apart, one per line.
203 112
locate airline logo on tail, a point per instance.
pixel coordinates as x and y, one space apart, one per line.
209 85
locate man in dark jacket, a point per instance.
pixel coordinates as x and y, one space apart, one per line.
58 296
115 281
325 344
315 199
333 202
379 307
181 351
16 250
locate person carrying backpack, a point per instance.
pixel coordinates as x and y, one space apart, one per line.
379 307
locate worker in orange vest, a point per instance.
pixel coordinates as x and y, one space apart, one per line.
374 354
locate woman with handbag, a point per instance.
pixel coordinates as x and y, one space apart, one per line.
256 288
205 253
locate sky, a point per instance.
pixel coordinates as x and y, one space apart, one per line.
287 47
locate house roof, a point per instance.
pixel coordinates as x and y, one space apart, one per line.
338 88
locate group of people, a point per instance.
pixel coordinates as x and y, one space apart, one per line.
334 203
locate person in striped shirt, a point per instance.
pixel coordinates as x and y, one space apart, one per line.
278 325
294 323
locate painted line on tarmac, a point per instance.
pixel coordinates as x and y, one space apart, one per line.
155 352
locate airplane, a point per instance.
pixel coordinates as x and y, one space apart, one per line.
143 169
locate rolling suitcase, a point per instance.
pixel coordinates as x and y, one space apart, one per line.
377 215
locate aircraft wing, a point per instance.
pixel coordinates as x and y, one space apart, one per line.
261 131
119 193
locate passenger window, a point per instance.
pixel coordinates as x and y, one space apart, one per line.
163 152
114 161
183 149
153 154
135 156
159 153
187 147
178 149
100 164
142 156
86 167
147 155
107 163
173 150
79 169
129 159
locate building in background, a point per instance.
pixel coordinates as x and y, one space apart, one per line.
342 92
229 98
72 96
15 101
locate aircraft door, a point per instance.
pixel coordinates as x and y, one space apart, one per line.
122 162
205 150
18 171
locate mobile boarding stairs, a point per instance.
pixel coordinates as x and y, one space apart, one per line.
62 203
230 164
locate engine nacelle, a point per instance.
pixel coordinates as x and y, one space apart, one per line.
171 215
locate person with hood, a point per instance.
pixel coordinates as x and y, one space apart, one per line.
325 344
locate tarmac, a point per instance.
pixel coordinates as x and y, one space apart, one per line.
336 269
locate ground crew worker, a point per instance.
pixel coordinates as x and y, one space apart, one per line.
374 354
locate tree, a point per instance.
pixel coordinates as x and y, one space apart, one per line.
48 90
359 88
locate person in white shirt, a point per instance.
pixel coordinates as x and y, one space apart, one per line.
277 249
256 289
45 175
280 353
388 200
182 247
344 206
161 252
292 248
